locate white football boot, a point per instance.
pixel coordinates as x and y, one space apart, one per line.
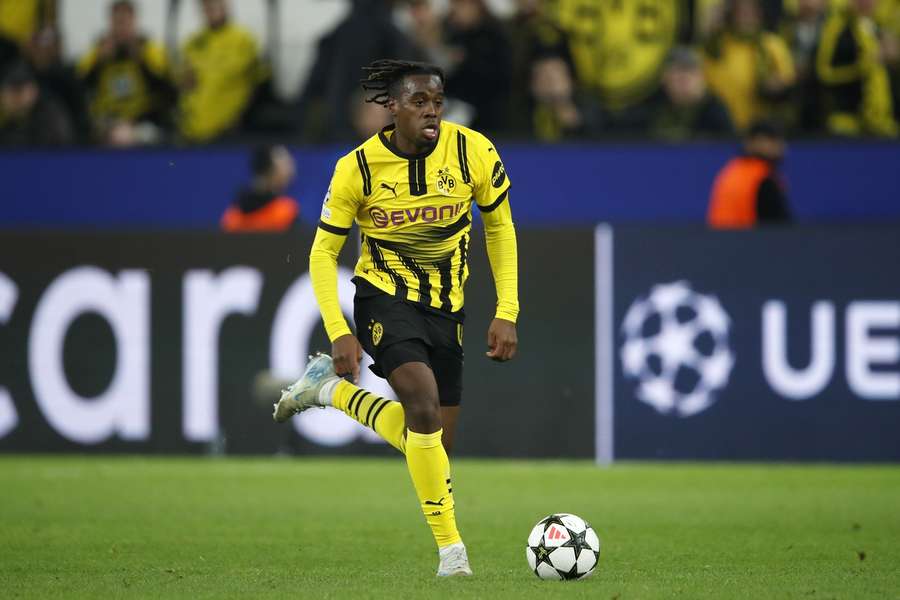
454 561
304 393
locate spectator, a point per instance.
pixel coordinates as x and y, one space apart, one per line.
264 206
685 109
220 74
125 74
480 62
802 30
533 37
748 191
858 98
749 69
556 113
59 79
328 106
709 15
28 116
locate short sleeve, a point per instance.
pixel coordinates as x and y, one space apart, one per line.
342 199
489 174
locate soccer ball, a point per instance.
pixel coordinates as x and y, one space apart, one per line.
562 546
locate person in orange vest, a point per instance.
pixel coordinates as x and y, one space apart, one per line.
749 191
264 205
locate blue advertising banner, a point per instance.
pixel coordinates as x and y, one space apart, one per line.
566 185
780 344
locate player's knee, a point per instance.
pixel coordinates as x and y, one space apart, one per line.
422 417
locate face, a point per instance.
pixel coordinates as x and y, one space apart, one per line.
283 168
864 7
747 17
122 24
417 109
807 9
44 48
215 11
465 14
18 100
550 80
770 148
684 85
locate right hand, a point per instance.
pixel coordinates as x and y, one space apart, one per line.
346 352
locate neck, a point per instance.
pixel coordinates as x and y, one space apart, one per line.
406 145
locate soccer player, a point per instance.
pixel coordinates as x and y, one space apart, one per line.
410 189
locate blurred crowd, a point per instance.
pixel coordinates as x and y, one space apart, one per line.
553 70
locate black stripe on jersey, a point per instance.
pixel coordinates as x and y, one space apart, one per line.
381 265
463 158
364 171
417 184
444 267
496 203
421 275
332 229
436 233
463 251
454 228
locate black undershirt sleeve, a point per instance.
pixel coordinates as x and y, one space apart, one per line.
771 203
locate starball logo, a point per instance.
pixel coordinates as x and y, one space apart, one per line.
427 214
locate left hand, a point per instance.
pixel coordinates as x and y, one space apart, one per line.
502 340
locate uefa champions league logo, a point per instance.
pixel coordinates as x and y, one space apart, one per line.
676 348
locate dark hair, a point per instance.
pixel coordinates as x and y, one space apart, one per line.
765 128
262 160
122 4
383 75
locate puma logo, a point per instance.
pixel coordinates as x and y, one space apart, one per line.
393 189
438 503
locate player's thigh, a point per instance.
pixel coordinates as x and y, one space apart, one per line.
446 357
383 322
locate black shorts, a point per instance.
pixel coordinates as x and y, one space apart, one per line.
394 332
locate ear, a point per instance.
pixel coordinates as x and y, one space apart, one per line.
392 106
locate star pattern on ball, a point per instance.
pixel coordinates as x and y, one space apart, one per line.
553 520
542 555
571 573
577 542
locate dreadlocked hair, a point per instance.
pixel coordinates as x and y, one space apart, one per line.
382 75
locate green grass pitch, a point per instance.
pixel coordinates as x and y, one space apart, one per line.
79 527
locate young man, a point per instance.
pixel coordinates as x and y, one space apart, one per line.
410 189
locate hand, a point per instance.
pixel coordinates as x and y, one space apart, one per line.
502 340
347 352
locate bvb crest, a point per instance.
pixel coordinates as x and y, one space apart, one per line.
445 182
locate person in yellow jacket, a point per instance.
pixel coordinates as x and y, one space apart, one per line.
221 71
750 69
849 66
126 74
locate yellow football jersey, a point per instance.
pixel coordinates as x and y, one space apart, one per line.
415 211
